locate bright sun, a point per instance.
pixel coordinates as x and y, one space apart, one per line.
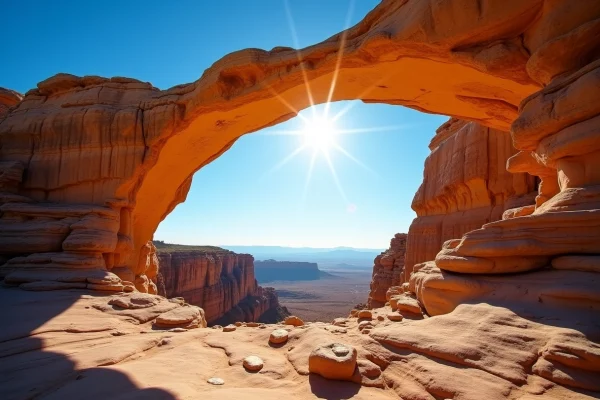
319 133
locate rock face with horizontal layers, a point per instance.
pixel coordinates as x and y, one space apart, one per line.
465 185
8 98
387 270
221 282
142 145
89 166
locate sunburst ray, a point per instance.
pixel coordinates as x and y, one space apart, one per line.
308 176
290 19
338 61
335 177
351 157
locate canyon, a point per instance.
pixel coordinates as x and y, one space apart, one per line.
222 282
496 296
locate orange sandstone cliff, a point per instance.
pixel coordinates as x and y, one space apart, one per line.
387 271
507 307
465 185
221 282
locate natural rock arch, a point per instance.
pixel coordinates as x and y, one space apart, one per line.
129 151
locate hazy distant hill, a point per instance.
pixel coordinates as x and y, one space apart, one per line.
271 270
326 258
279 250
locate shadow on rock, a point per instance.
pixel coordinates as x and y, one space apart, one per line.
35 321
330 389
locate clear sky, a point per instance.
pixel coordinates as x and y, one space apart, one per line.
246 197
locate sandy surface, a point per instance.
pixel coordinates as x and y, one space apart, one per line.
324 299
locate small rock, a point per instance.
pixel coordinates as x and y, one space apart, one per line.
238 324
262 326
333 361
253 363
179 316
118 333
251 324
293 320
339 322
177 330
365 314
395 316
366 331
278 336
364 324
216 381
380 318
217 327
404 303
164 342
229 328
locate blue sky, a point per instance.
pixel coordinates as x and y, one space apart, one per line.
241 198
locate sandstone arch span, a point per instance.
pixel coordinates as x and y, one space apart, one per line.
114 156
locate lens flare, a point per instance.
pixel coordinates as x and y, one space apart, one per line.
319 134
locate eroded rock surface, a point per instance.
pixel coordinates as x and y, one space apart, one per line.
476 351
89 166
387 270
221 282
465 185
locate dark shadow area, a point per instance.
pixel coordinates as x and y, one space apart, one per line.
29 370
277 345
330 389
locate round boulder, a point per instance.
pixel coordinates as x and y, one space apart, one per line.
229 328
253 363
367 314
333 361
278 336
293 320
395 316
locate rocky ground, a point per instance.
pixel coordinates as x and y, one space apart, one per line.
74 343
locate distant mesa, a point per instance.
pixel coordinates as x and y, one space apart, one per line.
272 270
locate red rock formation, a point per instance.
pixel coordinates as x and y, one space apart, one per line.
8 98
121 144
465 185
222 283
89 167
387 270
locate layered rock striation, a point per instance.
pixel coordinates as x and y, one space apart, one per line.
465 185
127 146
221 282
508 308
387 270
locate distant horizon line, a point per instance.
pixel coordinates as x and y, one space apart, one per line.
279 246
